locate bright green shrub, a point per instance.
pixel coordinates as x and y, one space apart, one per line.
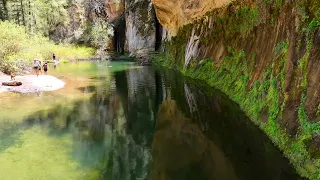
18 49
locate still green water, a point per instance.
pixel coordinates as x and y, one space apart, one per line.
118 121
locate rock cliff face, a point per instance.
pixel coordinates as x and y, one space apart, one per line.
114 9
140 27
134 25
264 55
174 14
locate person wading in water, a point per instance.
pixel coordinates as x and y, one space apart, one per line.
45 67
54 61
37 67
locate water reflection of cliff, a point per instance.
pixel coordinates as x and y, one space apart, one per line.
146 124
200 134
181 150
131 152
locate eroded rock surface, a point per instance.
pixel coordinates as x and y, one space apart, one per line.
140 27
134 25
114 9
174 14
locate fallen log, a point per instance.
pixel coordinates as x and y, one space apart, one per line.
13 83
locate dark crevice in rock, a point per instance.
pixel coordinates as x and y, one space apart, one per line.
119 36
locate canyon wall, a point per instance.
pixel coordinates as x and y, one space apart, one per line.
140 27
134 25
174 14
114 9
264 55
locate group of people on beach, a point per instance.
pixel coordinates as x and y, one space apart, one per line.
38 67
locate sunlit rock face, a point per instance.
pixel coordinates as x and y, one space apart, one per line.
174 14
139 18
114 8
140 27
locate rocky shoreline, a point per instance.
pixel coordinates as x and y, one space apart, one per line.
32 84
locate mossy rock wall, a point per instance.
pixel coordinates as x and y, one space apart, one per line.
265 55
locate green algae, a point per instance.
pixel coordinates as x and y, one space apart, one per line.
50 151
39 156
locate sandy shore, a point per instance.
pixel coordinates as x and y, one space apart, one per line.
32 84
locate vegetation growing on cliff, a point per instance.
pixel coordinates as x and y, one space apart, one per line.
268 86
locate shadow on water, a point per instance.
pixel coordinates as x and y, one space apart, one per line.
157 125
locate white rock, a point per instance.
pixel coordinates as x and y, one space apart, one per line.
33 83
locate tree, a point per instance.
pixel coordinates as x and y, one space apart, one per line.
3 10
61 20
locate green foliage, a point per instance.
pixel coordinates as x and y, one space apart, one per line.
310 128
277 4
247 18
303 64
72 21
281 48
18 49
313 26
64 61
280 52
241 22
39 16
100 33
310 7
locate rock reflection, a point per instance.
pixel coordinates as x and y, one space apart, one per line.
180 150
200 134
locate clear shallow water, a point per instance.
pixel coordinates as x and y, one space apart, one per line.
118 121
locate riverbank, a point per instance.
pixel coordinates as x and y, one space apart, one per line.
21 48
32 84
